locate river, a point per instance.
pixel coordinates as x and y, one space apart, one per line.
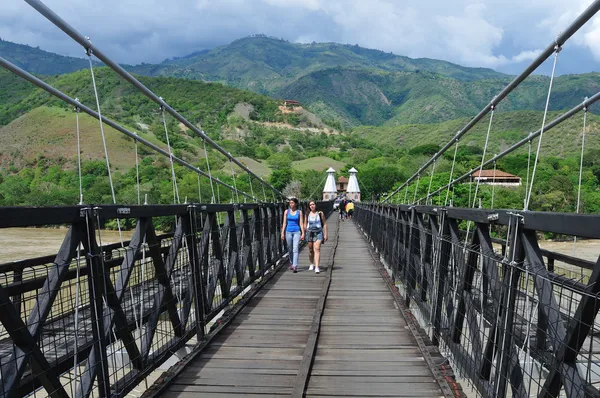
22 243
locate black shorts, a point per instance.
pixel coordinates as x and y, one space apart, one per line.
350 212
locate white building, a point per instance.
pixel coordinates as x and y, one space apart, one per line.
353 191
330 190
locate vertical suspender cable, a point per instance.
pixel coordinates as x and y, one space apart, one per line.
199 190
430 181
234 183
451 173
137 173
212 188
173 176
416 189
581 159
493 185
537 154
487 138
580 174
251 188
77 109
112 187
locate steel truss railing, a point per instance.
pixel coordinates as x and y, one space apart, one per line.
119 311
499 307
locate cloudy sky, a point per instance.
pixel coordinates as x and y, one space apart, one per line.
501 34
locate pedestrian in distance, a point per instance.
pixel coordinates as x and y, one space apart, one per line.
350 209
316 229
343 204
292 231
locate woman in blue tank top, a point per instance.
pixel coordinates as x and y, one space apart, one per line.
292 231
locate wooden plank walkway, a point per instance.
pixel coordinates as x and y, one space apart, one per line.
364 347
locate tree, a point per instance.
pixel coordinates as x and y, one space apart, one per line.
279 161
293 189
280 178
374 181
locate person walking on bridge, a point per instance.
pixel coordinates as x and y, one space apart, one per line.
292 231
350 209
316 227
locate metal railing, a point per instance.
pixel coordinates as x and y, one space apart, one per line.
506 313
98 319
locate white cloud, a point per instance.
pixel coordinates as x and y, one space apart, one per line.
492 33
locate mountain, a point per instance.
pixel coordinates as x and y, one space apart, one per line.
33 124
265 64
361 96
40 62
345 85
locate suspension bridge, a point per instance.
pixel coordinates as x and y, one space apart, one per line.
417 297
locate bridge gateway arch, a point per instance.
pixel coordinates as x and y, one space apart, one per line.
419 297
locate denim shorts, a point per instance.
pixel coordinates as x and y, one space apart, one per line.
312 236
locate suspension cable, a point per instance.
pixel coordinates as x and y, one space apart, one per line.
317 188
545 54
59 94
77 109
79 38
552 124
173 176
537 154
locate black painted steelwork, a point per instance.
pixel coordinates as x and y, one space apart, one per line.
507 314
121 310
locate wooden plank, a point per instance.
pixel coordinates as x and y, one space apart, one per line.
179 394
215 363
237 380
362 347
177 388
287 354
311 344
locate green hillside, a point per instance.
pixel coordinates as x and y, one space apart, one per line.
359 96
507 128
35 60
344 85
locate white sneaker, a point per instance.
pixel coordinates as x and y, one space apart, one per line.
317 270
312 266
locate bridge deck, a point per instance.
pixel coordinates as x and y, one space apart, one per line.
364 345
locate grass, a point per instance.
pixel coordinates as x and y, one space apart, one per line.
259 168
507 128
319 163
50 132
